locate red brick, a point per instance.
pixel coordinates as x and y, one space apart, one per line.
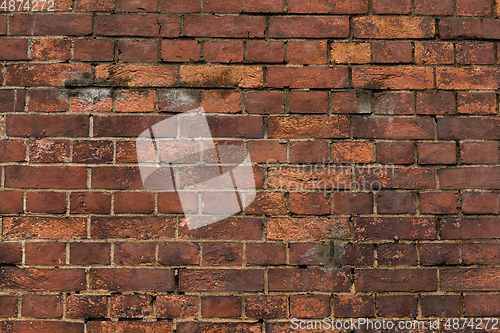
180 6
221 280
94 49
221 76
51 48
306 253
137 75
470 178
433 53
352 203
263 51
309 306
480 253
220 101
484 305
178 100
98 151
125 125
437 153
134 202
91 100
395 152
477 103
464 78
350 53
309 102
42 306
11 253
179 253
348 7
265 102
434 7
8 306
308 279
469 227
170 203
180 50
11 202
131 306
137 25
442 103
474 8
400 280
306 52
222 254
353 306
131 279
392 254
94 6
42 253
395 103
394 228
90 203
308 27
439 203
469 279
50 151
309 152
57 177
128 326
391 7
306 77
223 327
117 178
387 177
436 254
265 306
34 326
12 151
397 306
265 254
42 279
391 202
141 227
475 53
440 306
176 306
308 127
263 6
138 50
457 128
220 6
83 306
392 52
90 253
389 77
309 203
136 5
220 306
393 128
51 25
479 152
351 102
224 26
307 7
352 152
46 202
223 51
14 49
267 203
54 75
480 203
12 100
268 151
306 228
387 27
135 253
234 228
3 25
48 101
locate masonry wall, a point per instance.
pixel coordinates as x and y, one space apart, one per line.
325 96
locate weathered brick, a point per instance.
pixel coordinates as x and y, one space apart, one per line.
479 152
391 7
439 203
137 75
234 228
469 279
131 306
94 5
352 203
436 254
309 306
308 102
468 78
44 227
434 7
395 152
180 50
11 100
90 253
306 52
42 306
308 27
222 254
136 6
265 306
50 151
221 6
58 177
225 51
480 253
393 128
442 103
84 306
397 306
307 228
264 51
221 280
309 152
32 326
348 7
309 203
265 254
440 305
388 177
475 53
94 49
404 279
42 279
437 153
393 27
179 253
128 326
307 77
135 101
350 53
434 52
132 227
394 228
8 306
223 327
138 51
51 48
11 253
310 279
14 49
480 203
132 279
220 306
176 306
391 202
54 75
48 101
470 178
11 202
265 102
353 306
138 25
391 254
134 253
180 6
220 101
351 102
386 77
469 227
45 253
46 202
221 76
224 26
474 8
51 25
482 305
320 127
90 203
392 52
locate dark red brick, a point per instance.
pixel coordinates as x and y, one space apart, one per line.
396 279
436 254
220 306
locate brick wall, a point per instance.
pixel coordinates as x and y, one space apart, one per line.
381 199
